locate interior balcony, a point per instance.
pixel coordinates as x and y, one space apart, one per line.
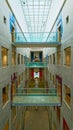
36 97
36 65
43 39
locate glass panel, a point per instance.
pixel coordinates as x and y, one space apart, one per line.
36 64
41 35
36 96
37 8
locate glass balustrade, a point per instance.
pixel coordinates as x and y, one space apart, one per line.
38 37
36 96
36 91
36 64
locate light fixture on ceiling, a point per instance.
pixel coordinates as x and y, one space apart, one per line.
24 2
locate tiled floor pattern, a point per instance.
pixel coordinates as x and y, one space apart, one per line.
36 119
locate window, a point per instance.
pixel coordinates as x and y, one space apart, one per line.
50 59
18 58
19 80
53 58
65 125
22 75
5 94
59 88
18 126
67 56
6 127
13 113
4 19
24 59
13 87
58 113
67 95
54 126
54 108
50 77
13 58
13 55
54 80
4 57
67 19
13 34
21 59
59 34
58 58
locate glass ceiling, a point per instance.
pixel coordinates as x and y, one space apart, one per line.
36 14
36 17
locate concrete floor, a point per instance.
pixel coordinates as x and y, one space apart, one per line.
36 119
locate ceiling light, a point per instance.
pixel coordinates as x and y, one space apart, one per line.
23 2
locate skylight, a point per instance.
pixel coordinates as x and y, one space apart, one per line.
36 17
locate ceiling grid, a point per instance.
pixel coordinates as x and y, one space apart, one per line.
36 19
36 13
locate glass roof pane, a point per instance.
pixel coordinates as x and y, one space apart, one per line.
25 8
36 2
31 16
36 16
36 19
30 8
48 2
29 2
35 8
42 2
41 7
35 11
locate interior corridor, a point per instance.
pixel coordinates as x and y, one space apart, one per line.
36 118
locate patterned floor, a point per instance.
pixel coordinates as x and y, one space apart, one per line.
36 118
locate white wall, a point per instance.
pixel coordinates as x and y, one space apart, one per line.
6 72
67 28
4 28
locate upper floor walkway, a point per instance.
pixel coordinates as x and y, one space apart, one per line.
36 97
40 39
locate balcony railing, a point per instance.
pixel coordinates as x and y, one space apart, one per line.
36 64
38 37
36 96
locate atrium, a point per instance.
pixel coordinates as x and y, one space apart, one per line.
36 65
